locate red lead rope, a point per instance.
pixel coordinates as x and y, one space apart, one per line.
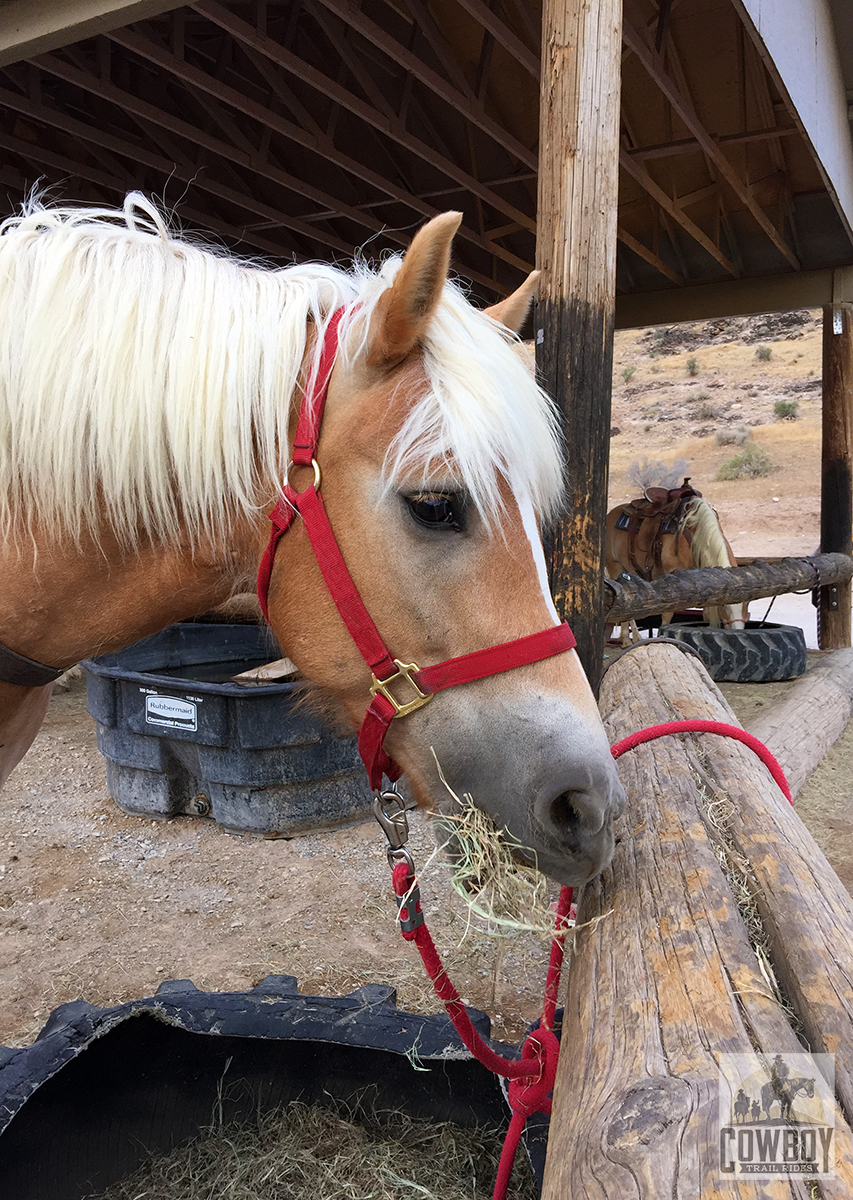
532 1076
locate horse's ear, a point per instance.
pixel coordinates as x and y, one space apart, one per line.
404 310
512 311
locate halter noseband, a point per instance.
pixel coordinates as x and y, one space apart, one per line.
387 671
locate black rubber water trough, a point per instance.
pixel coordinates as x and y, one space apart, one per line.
180 737
101 1089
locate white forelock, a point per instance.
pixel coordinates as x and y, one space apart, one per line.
146 381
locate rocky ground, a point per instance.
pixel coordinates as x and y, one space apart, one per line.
104 906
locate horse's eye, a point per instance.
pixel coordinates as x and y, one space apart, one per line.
437 510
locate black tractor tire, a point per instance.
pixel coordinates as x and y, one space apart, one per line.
760 653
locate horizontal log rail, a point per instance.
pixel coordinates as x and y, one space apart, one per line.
699 587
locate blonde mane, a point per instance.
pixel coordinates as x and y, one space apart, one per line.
709 546
146 381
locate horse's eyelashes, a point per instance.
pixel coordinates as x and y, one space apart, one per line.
437 510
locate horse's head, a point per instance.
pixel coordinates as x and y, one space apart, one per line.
439 460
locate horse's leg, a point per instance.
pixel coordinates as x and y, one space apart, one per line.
22 711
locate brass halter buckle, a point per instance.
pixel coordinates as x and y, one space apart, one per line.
404 671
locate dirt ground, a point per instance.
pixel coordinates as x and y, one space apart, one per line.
98 905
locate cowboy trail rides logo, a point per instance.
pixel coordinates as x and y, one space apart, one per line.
777 1115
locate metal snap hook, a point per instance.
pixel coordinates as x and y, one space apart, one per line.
389 808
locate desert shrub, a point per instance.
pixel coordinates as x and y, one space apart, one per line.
628 373
707 412
692 365
763 353
749 464
653 472
733 435
787 410
703 395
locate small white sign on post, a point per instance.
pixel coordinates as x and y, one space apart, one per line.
836 321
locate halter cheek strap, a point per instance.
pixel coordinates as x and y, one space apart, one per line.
398 688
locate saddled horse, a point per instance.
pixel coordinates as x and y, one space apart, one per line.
666 529
152 394
784 1093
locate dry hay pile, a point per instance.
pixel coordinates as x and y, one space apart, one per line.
306 1152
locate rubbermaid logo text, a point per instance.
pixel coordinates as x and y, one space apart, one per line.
170 711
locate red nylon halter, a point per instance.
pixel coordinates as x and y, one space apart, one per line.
384 706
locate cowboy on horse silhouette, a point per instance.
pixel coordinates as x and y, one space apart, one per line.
779 1072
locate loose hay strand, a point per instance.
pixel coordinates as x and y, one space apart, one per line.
507 895
309 1152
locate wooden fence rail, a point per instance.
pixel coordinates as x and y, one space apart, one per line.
626 599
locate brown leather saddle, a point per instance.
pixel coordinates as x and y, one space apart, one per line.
647 519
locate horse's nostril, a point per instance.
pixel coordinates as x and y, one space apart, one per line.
564 816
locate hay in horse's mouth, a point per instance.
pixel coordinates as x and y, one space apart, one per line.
492 871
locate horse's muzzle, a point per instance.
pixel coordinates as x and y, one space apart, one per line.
573 838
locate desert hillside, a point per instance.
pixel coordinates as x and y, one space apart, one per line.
706 392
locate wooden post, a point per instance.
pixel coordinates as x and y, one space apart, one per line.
836 498
576 252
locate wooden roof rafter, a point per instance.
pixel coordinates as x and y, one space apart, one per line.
396 109
119 184
383 124
638 172
56 66
469 105
503 35
637 40
181 167
244 32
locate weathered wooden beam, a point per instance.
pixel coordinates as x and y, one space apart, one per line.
736 297
800 727
702 587
664 972
576 252
836 495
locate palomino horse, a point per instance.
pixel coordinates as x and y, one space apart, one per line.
149 398
665 530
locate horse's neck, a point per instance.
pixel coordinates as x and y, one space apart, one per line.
64 602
